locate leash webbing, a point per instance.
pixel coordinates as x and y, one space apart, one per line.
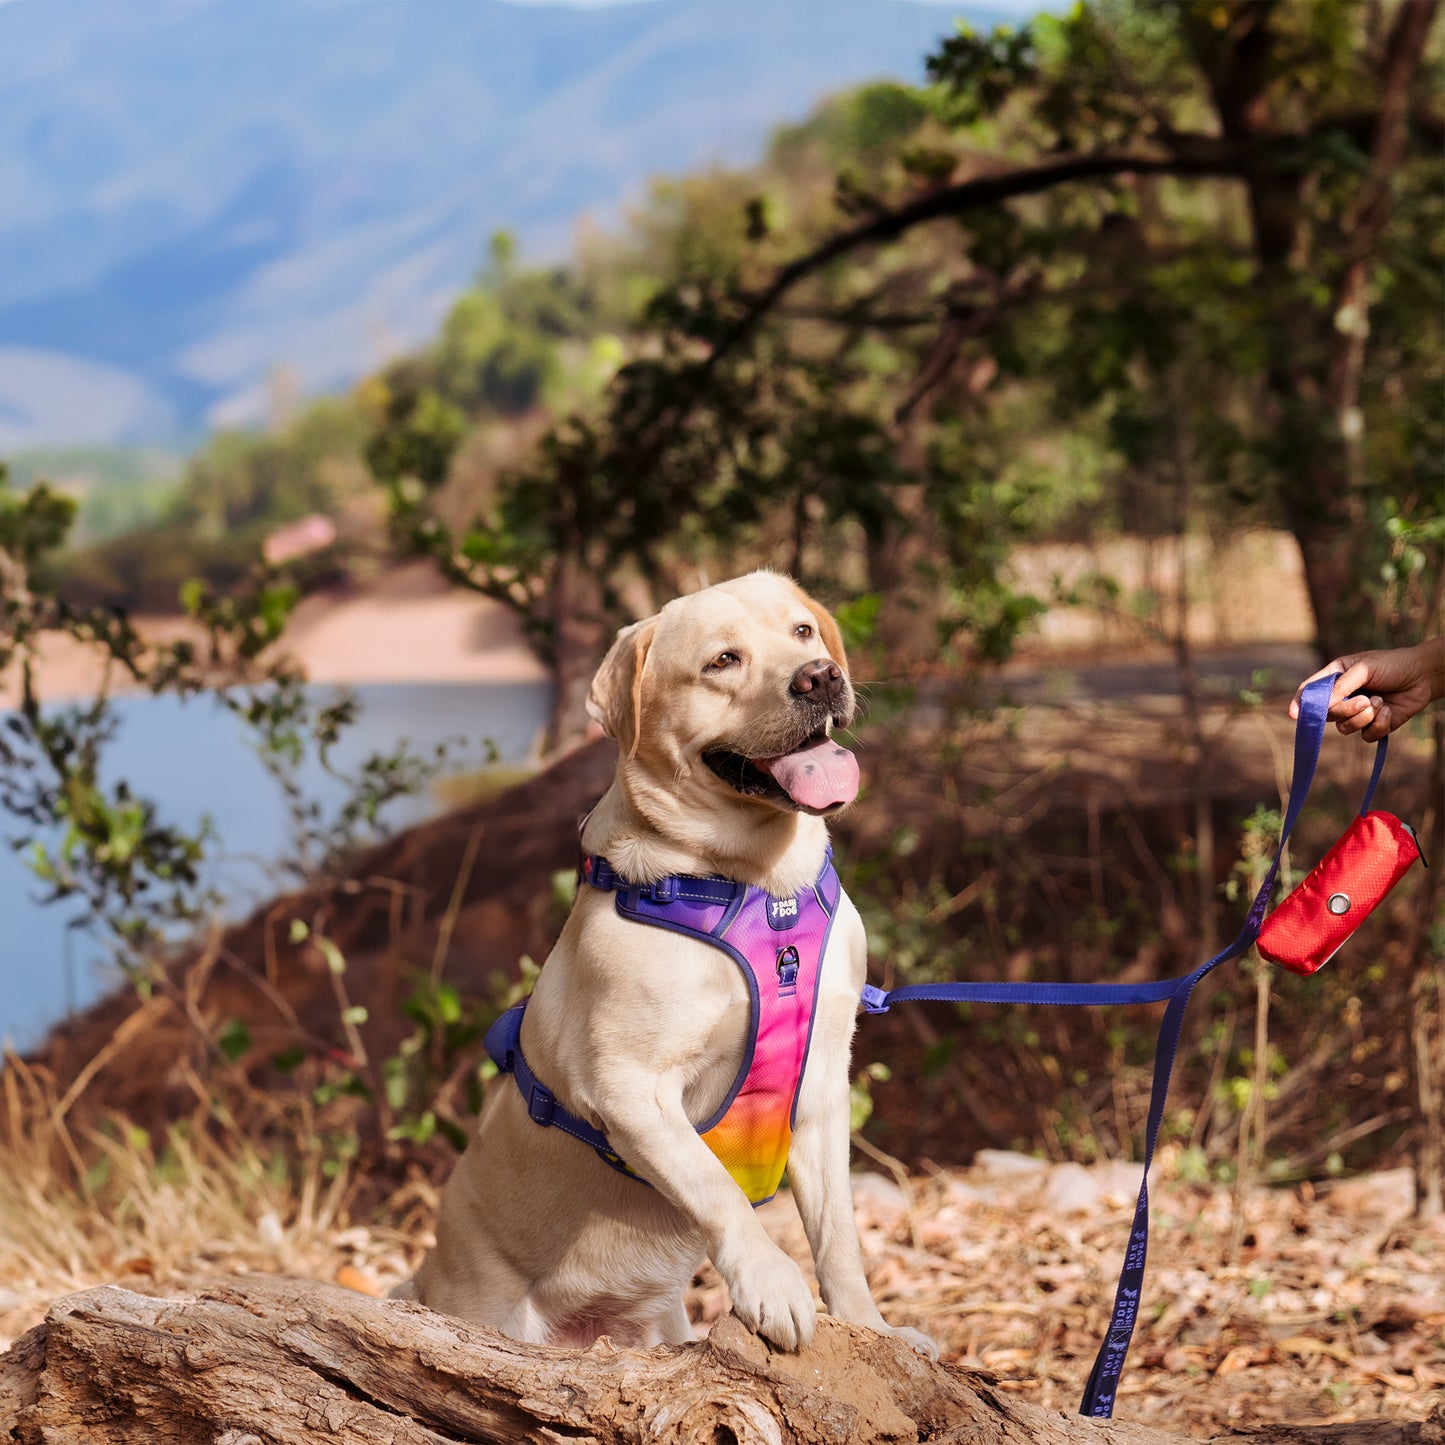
1309 734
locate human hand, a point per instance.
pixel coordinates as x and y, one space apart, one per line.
1399 681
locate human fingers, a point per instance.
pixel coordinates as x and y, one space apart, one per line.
1353 678
1338 665
1382 725
1355 714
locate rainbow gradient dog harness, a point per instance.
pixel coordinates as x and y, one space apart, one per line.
778 945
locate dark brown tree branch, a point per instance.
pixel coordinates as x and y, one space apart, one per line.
962 323
1195 156
1404 51
1237 63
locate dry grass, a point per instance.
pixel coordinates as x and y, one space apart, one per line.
116 1204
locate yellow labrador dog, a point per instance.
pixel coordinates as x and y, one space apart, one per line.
638 1032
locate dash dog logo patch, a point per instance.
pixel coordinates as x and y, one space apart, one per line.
782 913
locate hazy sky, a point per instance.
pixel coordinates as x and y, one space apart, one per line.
1019 7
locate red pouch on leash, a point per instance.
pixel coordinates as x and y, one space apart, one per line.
1339 893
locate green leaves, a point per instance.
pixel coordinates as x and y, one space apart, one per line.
447 1030
33 523
234 1039
418 432
860 1094
979 73
857 619
137 877
89 838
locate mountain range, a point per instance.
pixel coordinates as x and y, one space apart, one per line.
199 192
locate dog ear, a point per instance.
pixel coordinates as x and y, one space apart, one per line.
828 632
615 699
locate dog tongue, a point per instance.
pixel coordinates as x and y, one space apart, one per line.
822 776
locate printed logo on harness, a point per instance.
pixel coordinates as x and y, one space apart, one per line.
782 913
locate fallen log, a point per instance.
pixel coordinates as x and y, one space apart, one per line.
266 1361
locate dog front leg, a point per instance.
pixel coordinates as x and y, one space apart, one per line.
769 1294
818 1174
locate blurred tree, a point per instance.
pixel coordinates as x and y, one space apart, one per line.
499 350
1326 117
233 492
1200 230
86 835
245 481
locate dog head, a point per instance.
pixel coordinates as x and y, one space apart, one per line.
728 698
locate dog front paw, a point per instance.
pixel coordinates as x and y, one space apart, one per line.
771 1297
924 1344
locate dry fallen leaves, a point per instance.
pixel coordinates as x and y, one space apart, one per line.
1334 1308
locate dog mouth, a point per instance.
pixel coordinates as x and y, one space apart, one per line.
818 776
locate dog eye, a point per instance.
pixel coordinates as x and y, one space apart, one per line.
722 660
803 630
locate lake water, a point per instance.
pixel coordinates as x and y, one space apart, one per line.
194 759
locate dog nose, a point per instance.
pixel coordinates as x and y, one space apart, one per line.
822 676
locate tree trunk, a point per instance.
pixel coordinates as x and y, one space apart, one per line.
1317 361
1427 1002
582 633
265 1361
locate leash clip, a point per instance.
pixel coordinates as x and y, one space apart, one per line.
874 999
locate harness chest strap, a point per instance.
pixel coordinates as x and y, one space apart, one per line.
778 946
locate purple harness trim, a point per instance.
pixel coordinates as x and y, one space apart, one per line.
778 944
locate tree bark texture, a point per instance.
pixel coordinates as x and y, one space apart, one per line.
266 1361
1316 369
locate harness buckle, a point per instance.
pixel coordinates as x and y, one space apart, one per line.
788 965
664 890
598 872
541 1106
